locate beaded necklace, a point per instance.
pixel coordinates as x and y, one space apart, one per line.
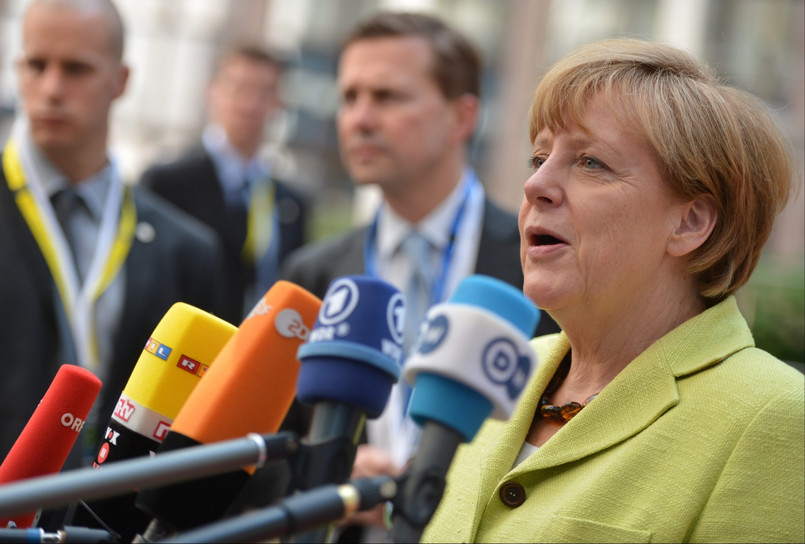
565 412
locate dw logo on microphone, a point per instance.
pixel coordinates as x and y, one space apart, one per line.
503 365
434 333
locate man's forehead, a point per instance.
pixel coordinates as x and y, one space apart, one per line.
386 61
64 30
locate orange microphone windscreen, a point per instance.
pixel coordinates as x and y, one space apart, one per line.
252 382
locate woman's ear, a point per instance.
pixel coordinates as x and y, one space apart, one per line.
697 221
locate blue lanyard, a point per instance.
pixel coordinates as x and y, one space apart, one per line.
437 290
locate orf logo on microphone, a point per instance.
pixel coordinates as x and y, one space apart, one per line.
503 365
71 422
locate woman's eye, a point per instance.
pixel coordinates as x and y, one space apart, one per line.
535 162
590 162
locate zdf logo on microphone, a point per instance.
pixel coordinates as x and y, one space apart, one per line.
290 325
71 422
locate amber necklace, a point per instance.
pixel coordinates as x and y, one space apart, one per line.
566 411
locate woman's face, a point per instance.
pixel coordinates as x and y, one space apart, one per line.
595 220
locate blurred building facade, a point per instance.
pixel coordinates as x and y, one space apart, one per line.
757 45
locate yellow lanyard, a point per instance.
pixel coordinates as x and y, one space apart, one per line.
110 253
260 223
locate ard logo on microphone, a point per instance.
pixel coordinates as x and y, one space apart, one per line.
339 303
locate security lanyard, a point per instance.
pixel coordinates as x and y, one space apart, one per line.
260 222
114 243
437 290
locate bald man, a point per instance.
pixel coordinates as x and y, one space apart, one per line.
64 208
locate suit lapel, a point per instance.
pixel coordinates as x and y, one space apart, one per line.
627 405
25 242
632 401
353 262
506 438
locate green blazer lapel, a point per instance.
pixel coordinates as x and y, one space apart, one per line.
644 390
503 439
637 397
475 484
630 403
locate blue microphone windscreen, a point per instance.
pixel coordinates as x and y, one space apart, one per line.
500 298
450 402
353 352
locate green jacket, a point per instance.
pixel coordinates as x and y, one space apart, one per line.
700 438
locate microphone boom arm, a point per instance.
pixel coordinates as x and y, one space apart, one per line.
142 473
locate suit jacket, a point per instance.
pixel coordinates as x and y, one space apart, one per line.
192 184
180 263
700 439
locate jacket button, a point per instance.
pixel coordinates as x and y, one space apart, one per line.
512 494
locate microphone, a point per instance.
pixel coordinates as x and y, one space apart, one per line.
78 535
471 361
302 511
349 364
174 359
145 472
248 389
46 441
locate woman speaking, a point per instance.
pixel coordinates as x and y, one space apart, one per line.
651 417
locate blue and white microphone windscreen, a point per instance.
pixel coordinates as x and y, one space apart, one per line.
354 350
473 357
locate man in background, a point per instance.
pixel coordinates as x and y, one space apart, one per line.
228 185
90 265
410 100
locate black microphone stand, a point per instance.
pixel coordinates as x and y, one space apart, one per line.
302 511
328 453
143 473
423 482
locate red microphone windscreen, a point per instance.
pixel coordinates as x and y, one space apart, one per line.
45 442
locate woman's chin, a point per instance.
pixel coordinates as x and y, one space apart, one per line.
544 297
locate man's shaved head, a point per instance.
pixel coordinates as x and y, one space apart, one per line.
105 7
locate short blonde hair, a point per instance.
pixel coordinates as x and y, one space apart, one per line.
710 139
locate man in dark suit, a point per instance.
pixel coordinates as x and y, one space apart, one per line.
227 184
153 255
410 87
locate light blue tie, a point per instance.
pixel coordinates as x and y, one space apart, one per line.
417 298
418 288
